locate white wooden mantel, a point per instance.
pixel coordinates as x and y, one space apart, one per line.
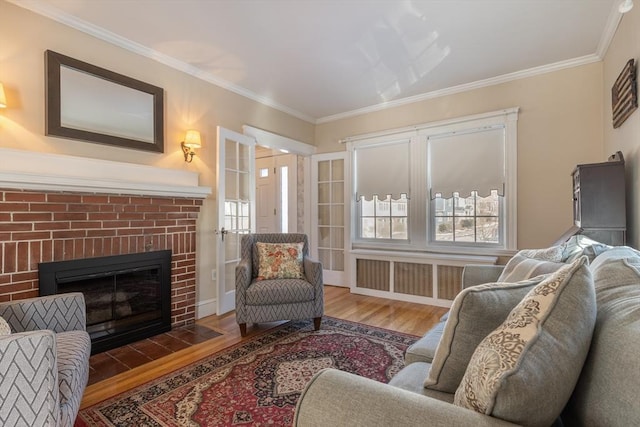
29 170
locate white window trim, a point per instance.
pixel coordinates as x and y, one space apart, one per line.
419 210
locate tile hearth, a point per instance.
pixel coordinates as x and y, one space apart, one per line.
110 363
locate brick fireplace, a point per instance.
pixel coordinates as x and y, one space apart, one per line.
45 226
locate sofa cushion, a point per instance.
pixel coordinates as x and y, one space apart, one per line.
424 349
279 291
475 312
522 267
73 351
525 371
609 386
280 260
410 378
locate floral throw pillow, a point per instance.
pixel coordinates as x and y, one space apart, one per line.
280 261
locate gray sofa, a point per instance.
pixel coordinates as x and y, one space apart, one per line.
606 392
44 361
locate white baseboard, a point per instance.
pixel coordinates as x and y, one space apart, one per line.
205 308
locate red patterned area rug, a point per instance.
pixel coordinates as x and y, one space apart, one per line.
256 382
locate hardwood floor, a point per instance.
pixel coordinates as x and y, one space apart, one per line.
399 316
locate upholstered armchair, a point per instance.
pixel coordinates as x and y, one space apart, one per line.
264 298
44 360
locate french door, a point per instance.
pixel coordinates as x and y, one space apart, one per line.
236 208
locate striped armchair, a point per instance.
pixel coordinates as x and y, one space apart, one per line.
277 299
44 361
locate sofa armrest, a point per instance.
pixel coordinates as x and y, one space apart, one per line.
59 313
313 274
243 275
243 280
478 274
337 398
29 383
313 271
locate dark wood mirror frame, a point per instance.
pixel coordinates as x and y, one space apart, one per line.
53 117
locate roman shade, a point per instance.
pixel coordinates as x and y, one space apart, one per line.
466 162
382 169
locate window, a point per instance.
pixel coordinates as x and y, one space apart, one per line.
444 185
473 219
284 199
382 189
467 179
384 219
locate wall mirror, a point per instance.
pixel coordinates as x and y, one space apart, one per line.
90 103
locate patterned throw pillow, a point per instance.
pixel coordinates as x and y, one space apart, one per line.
526 369
280 261
475 312
553 253
522 267
5 329
579 245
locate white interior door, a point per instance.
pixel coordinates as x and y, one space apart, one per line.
330 219
266 196
236 208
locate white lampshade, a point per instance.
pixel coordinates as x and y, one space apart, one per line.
192 139
3 99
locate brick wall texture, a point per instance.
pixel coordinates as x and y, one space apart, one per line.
40 226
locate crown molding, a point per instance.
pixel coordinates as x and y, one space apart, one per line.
49 11
603 46
609 31
531 72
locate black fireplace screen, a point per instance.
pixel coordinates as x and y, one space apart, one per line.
128 297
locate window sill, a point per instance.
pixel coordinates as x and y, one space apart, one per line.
432 251
435 256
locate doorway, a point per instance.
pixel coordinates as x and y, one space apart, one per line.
276 191
290 186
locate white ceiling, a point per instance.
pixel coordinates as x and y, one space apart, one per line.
325 59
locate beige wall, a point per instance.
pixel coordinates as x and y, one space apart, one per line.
560 122
189 103
626 138
559 126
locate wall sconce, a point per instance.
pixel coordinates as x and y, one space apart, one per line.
191 141
3 98
625 6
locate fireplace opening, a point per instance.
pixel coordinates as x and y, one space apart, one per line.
127 297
